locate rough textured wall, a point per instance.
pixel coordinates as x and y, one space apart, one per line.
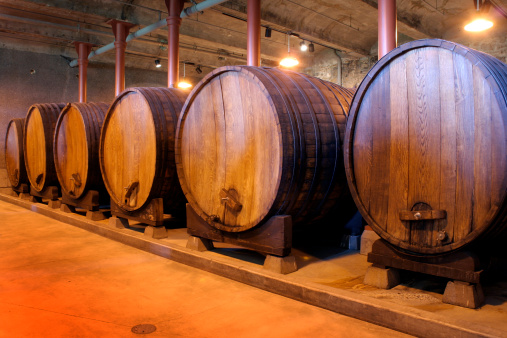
324 65
54 81
354 70
493 45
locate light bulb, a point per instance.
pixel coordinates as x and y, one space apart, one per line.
478 25
184 85
289 61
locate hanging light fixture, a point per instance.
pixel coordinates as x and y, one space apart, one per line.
289 61
184 84
267 34
303 46
157 63
480 23
311 47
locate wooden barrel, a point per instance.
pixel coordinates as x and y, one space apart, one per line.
425 150
14 158
137 148
256 142
76 148
38 144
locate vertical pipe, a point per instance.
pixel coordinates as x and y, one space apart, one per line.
83 49
387 27
174 7
120 30
254 33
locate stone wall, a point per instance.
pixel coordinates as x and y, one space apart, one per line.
495 45
355 70
324 65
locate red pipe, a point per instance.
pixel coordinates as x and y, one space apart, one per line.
83 49
387 27
174 7
254 33
121 31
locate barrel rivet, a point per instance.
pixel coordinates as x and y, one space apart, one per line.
417 215
442 236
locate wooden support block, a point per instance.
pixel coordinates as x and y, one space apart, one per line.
67 208
382 278
151 214
23 188
461 265
199 244
157 232
51 193
27 196
118 222
463 294
95 215
282 265
273 237
54 204
367 239
90 200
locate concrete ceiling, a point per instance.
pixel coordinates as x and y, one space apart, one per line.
217 37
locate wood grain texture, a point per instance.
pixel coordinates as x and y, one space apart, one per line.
271 140
14 157
447 139
399 159
136 152
38 144
76 148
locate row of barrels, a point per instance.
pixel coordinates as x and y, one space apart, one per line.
420 148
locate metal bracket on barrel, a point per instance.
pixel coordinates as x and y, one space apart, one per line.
422 215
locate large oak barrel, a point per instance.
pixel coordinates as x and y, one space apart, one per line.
14 158
38 144
257 142
425 149
137 148
76 148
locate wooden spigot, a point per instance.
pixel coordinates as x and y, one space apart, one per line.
130 197
229 200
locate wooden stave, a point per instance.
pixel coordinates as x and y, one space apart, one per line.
19 124
49 114
287 194
93 117
321 207
498 228
489 65
165 105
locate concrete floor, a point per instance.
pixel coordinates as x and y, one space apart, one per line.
57 280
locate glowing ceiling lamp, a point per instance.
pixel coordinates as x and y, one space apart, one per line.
303 46
184 84
480 23
289 61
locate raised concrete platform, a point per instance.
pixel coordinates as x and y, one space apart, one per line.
328 277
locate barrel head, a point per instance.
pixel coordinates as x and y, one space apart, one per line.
427 136
128 151
230 150
71 152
